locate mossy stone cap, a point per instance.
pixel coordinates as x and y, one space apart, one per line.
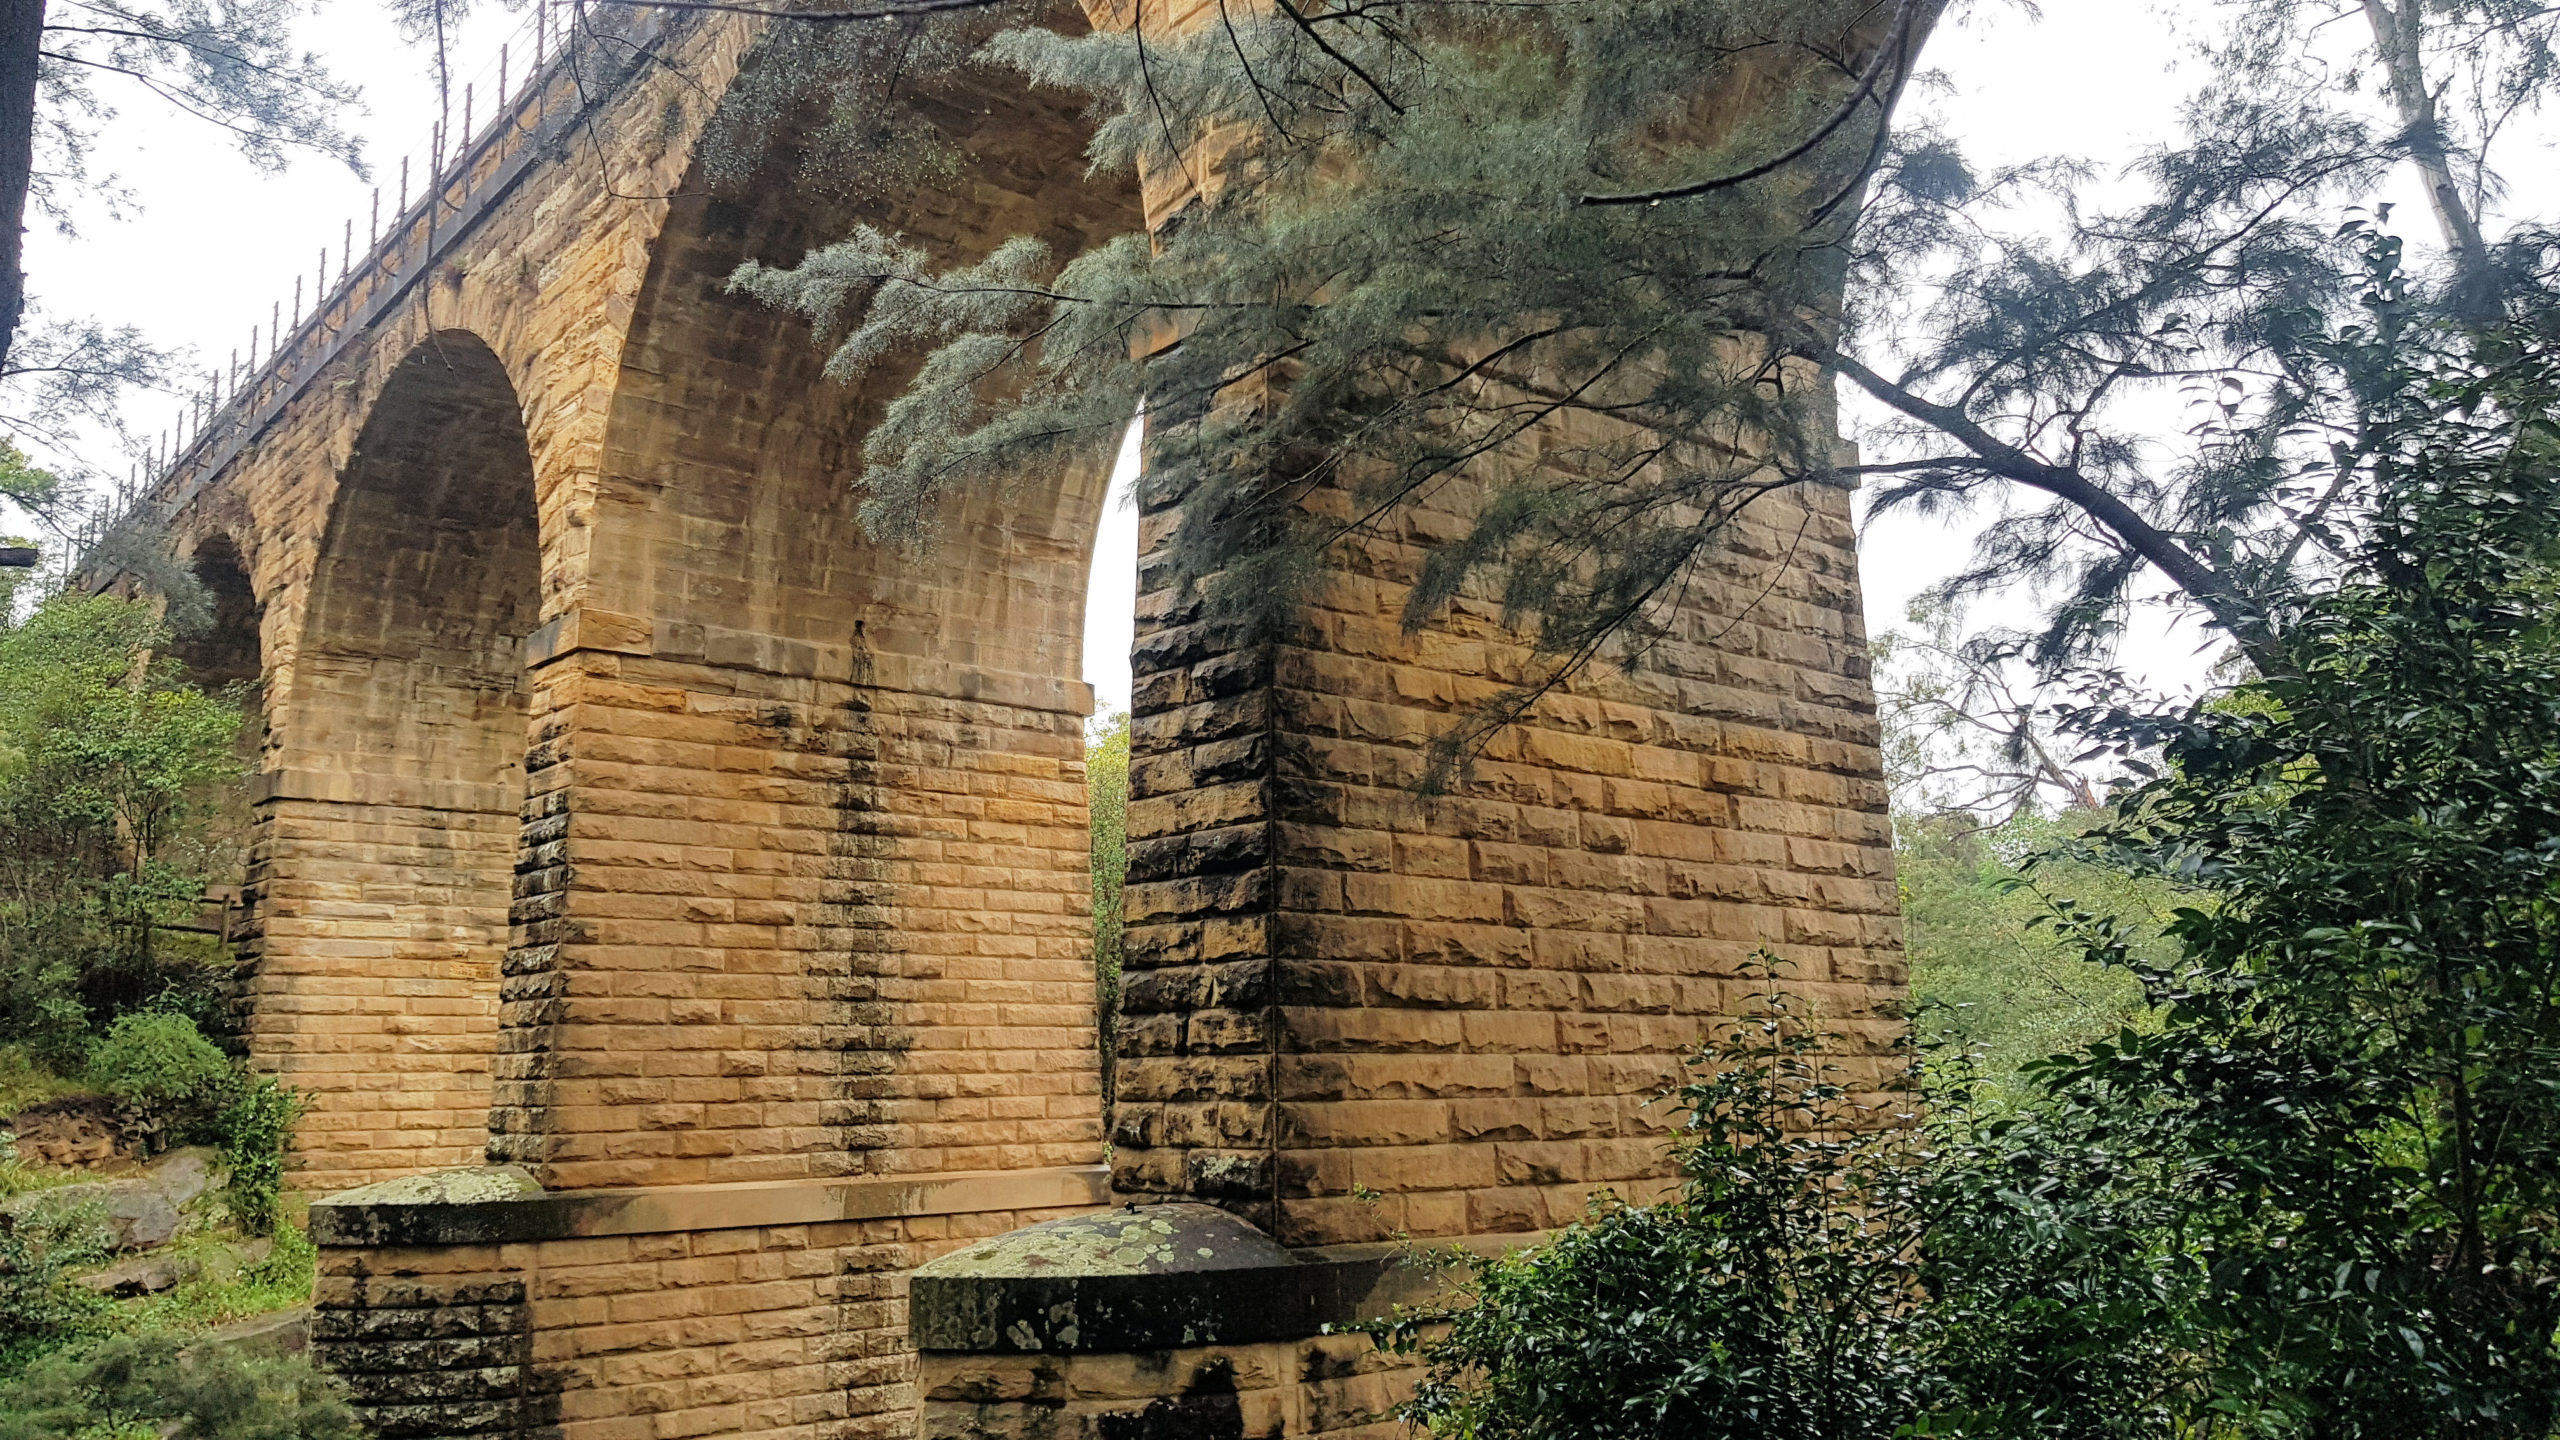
1136 1240
1141 1278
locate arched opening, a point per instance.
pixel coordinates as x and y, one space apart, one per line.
221 652
224 649
397 775
879 780
411 665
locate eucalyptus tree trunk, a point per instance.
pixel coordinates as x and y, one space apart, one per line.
21 46
2398 38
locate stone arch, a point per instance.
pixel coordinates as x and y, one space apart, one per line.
225 650
223 653
871 874
410 663
397 773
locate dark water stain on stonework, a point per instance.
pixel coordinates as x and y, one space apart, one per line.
533 987
860 950
1207 1409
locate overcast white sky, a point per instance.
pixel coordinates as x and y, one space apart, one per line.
215 243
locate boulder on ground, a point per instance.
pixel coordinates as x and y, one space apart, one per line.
182 1175
140 1275
278 1332
137 1215
228 1261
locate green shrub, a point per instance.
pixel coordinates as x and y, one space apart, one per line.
1768 1300
159 1063
152 1385
1107 791
257 1129
40 1006
39 1249
114 776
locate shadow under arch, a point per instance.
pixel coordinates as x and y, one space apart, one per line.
428 579
397 774
879 781
226 649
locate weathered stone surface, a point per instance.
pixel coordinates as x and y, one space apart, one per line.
73 1130
227 1262
470 1185
185 1175
1141 1278
141 1275
284 1332
136 1214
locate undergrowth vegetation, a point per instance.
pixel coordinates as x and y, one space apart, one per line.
2306 1189
117 801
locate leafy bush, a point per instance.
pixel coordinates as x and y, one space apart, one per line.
153 1385
1769 1298
2352 1083
1828 1270
111 774
257 1131
159 1062
38 1251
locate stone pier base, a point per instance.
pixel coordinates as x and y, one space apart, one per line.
473 1303
1163 1322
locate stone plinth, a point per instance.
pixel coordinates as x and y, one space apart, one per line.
475 1303
1168 1322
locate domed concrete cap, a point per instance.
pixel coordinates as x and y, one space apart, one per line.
1149 1277
1139 1240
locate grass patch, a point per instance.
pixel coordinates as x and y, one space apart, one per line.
219 1293
17 1179
23 1082
279 1282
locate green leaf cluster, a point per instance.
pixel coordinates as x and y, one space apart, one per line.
1107 794
1991 975
111 776
1393 294
2313 1193
1769 1297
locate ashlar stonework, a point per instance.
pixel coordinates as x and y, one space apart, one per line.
629 821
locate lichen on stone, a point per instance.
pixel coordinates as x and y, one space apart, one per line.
1155 1240
478 1185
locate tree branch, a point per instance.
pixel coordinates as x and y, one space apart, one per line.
1886 53
2199 580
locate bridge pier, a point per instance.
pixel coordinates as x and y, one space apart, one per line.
697 884
473 1303
1352 1013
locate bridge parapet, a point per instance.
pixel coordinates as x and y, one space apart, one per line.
568 81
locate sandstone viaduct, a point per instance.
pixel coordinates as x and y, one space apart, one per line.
628 817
